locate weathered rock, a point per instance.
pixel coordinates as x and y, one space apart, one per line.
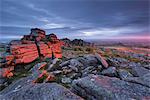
17 85
147 66
124 74
111 71
38 66
87 71
54 65
44 91
139 71
64 63
99 67
83 61
91 59
3 83
66 80
117 61
73 68
57 72
101 60
75 75
75 63
66 70
105 88
3 80
143 80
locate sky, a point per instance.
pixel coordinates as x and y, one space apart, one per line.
85 19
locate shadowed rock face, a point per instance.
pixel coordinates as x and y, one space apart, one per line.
44 91
105 88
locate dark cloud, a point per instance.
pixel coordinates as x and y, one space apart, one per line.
76 17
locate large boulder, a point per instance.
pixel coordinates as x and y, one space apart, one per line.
96 87
17 85
44 91
143 80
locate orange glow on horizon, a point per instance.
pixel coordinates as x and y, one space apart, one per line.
133 37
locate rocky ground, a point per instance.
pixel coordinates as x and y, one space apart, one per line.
83 74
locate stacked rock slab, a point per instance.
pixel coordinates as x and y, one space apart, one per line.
29 48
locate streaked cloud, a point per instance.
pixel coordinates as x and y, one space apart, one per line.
76 19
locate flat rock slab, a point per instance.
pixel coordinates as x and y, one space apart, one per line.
44 91
96 87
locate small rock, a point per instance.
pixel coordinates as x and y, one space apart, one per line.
66 63
73 68
75 63
99 67
101 60
38 66
90 60
124 74
66 71
111 71
75 75
66 80
54 65
87 71
57 72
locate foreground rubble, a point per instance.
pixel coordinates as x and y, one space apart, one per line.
89 77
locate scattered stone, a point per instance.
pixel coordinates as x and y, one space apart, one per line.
101 60
66 80
54 65
73 68
75 75
75 63
38 66
57 72
90 60
66 71
96 87
124 74
99 67
87 71
66 63
44 91
111 71
83 61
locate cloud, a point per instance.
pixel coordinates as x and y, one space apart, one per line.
53 25
76 19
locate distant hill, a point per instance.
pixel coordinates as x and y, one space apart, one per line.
76 42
